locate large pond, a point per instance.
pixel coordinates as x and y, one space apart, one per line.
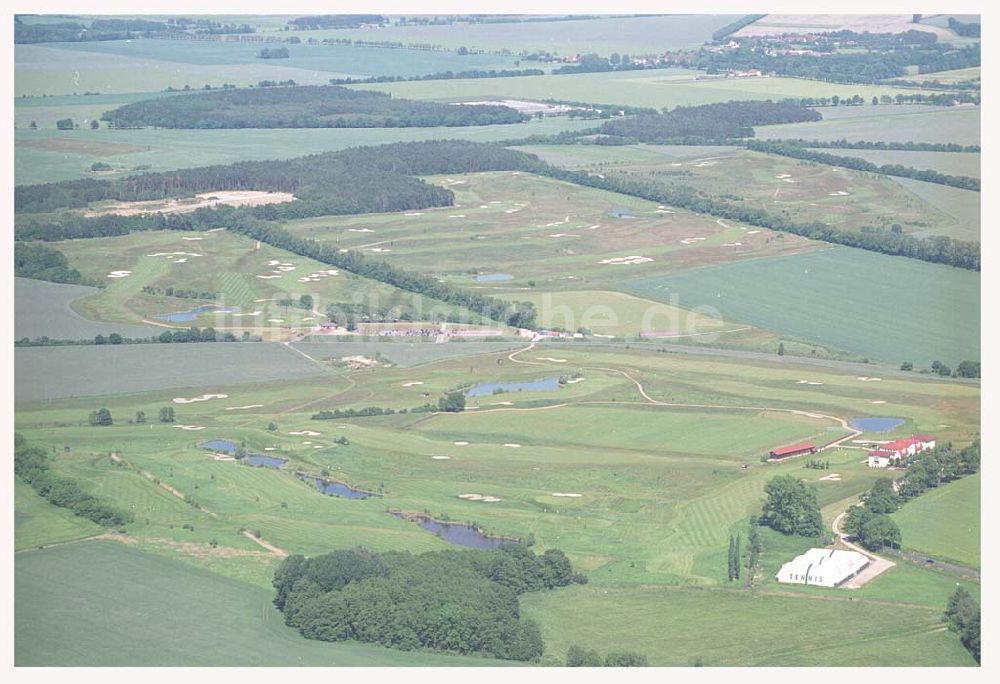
459 533
877 424
493 277
486 388
228 446
191 314
334 488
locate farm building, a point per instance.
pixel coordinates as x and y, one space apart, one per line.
891 453
793 450
822 567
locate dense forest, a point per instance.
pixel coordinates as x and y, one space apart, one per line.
714 121
456 601
34 467
302 107
927 175
75 31
965 29
42 262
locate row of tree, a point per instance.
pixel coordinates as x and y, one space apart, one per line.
34 467
845 144
441 76
455 601
192 334
714 121
578 656
785 149
452 402
964 616
302 107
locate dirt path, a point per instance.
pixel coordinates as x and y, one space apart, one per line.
280 553
876 567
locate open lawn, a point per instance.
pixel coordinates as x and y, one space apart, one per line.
945 522
950 163
106 604
959 125
37 522
840 297
963 206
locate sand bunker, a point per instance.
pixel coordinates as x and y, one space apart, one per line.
479 497
512 445
691 240
549 358
192 238
441 458
412 384
170 254
832 477
461 443
248 313
180 261
594 227
379 249
275 320
360 230
569 494
562 235
502 403
204 397
629 260
355 362
457 216
240 408
232 198
190 427
120 274
318 446
839 193
306 433
576 380
752 232
865 378
307 443
732 244
270 448
878 401
414 213
268 277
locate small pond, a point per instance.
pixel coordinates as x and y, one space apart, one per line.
228 446
258 461
877 424
333 488
460 533
191 314
493 277
487 388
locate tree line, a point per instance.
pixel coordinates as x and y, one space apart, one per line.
42 262
910 146
441 76
462 602
302 107
191 334
785 149
964 617
34 467
714 121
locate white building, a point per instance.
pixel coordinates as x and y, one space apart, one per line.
892 453
822 567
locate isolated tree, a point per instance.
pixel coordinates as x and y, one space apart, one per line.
578 656
272 427
140 417
33 125
906 366
167 414
453 402
100 339
792 507
104 417
781 348
306 302
64 124
94 124
115 338
754 548
968 369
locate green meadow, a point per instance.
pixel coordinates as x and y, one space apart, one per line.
959 125
945 522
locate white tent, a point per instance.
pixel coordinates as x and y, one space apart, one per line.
822 567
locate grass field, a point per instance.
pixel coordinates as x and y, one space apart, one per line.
660 488
106 604
945 522
653 88
37 522
49 155
959 125
951 163
806 191
963 206
840 297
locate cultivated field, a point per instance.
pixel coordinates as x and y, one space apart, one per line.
963 206
45 309
950 163
50 155
844 298
654 88
777 24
